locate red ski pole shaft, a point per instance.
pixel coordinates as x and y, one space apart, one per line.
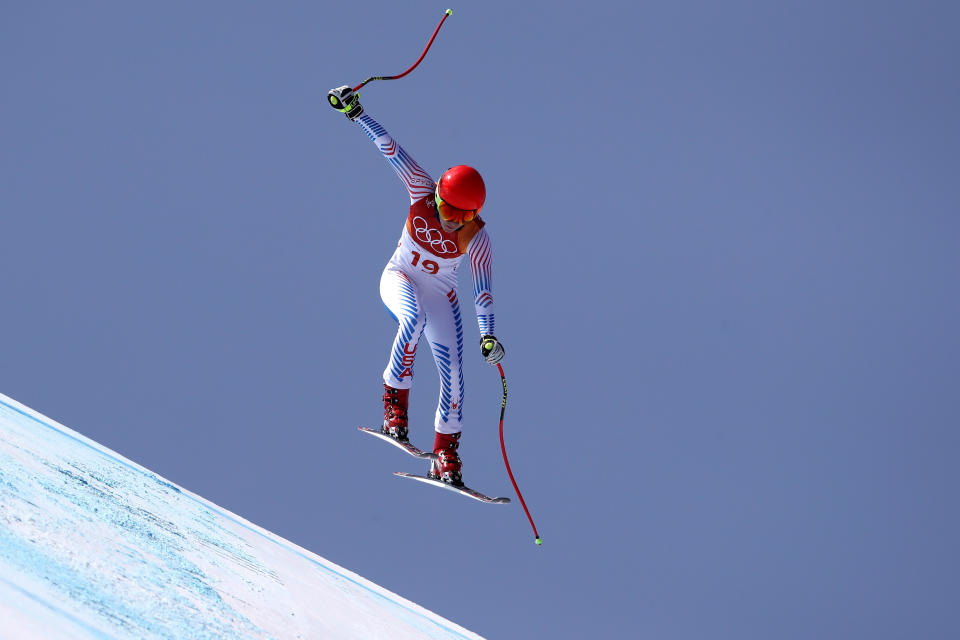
446 15
503 448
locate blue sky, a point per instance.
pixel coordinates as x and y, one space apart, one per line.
725 272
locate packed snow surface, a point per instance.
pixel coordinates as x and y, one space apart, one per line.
95 546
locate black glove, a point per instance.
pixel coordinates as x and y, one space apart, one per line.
344 100
491 349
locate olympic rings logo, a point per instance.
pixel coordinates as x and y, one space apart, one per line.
432 237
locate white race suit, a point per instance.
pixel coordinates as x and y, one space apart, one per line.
419 284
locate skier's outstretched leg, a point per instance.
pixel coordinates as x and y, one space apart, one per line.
401 297
444 332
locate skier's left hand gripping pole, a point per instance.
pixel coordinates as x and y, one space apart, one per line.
336 96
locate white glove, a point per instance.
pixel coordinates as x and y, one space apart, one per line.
344 100
491 349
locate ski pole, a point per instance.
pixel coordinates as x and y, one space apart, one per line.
447 14
503 448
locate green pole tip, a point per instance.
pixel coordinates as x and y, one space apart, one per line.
539 541
449 12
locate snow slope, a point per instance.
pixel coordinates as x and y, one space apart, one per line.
95 546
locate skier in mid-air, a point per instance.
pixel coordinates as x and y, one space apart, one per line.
419 283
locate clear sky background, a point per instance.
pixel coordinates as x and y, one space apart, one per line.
725 269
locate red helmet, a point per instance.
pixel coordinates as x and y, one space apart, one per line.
462 187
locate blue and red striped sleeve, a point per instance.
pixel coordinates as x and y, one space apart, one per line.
418 182
481 268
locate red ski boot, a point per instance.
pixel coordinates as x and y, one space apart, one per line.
395 413
447 468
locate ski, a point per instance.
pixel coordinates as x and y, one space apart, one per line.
463 490
406 445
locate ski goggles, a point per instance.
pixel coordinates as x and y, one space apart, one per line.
452 214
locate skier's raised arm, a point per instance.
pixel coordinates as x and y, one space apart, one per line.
418 182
